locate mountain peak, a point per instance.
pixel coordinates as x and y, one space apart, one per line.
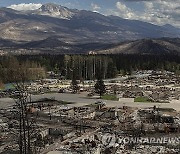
51 7
54 10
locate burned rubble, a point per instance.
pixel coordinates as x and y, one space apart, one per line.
57 126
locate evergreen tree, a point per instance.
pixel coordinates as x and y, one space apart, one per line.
100 88
74 84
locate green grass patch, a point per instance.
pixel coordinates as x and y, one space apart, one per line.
142 99
147 100
110 97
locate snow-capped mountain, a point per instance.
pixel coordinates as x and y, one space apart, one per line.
73 26
54 10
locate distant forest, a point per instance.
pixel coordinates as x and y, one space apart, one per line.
14 70
83 66
89 66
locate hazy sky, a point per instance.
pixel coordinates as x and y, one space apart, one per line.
155 11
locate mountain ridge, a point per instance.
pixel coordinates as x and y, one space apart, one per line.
54 45
161 46
74 25
56 29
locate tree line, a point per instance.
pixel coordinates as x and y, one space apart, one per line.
14 70
82 67
89 66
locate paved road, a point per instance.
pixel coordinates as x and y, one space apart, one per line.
5 102
81 99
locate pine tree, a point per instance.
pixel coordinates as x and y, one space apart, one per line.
74 83
100 88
